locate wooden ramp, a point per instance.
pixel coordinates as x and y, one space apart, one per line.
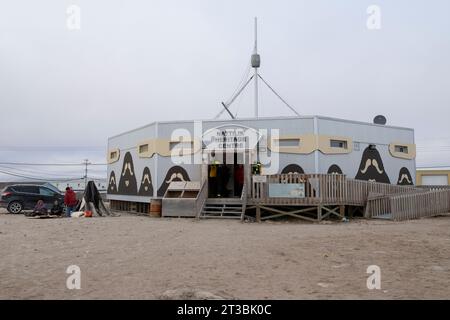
409 206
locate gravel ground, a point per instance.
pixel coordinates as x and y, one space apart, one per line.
140 257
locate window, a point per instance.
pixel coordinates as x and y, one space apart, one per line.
46 192
143 148
338 144
289 142
182 145
401 149
113 155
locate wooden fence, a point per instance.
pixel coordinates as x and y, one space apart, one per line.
326 189
409 206
379 199
201 197
319 189
358 191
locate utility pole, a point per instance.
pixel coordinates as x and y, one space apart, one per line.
86 163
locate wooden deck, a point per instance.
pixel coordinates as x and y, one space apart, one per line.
328 195
325 196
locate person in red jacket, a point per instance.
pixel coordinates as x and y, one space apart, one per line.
70 201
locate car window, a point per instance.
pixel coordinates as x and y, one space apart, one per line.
46 192
27 189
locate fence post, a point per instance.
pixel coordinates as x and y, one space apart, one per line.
258 213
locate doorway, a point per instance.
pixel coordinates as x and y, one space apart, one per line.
226 180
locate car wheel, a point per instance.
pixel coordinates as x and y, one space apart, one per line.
15 207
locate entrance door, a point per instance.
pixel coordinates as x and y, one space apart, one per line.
226 177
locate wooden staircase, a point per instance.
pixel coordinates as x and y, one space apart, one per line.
223 209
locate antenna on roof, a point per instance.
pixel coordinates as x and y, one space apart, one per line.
255 64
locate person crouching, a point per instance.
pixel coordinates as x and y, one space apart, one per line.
39 209
57 208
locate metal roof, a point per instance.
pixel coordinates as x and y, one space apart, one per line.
262 119
438 168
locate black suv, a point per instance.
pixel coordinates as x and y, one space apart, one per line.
24 197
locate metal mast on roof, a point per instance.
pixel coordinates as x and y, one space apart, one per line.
255 64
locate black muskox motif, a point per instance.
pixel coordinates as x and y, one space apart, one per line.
334 169
128 183
293 168
112 185
146 187
371 167
176 173
404 177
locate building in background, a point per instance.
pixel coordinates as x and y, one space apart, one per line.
433 176
78 185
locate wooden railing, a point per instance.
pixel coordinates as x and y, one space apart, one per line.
201 197
244 200
409 206
413 206
358 190
380 199
319 188
326 189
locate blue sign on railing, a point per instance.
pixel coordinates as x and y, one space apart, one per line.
286 190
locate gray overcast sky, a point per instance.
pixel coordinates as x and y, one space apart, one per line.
134 62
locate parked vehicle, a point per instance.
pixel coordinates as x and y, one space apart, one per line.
19 197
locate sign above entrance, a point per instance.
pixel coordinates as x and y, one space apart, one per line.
230 138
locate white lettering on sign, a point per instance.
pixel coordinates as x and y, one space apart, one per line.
230 138
260 179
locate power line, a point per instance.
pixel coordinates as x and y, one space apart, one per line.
27 171
50 164
35 178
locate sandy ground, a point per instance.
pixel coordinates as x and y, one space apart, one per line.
141 257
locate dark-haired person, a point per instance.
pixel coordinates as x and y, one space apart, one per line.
57 208
39 209
70 201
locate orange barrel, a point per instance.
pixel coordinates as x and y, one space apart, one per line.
155 208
